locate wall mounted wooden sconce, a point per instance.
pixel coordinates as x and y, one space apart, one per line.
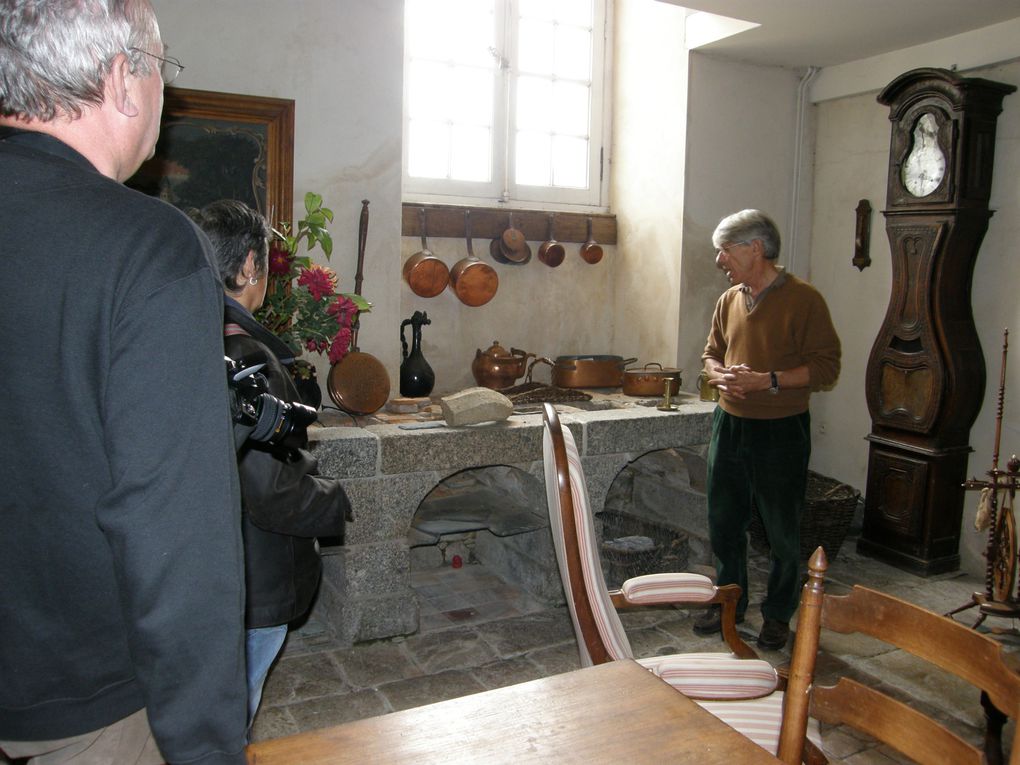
862 236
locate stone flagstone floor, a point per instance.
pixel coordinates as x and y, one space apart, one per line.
478 633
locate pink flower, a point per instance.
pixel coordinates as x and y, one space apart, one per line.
279 259
341 345
320 281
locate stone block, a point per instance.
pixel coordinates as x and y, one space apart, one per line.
383 507
344 452
528 560
636 431
443 449
475 405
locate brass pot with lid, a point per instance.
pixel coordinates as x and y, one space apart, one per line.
498 368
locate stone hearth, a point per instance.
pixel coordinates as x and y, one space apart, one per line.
388 472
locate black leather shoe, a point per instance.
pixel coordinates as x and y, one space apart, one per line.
773 635
710 621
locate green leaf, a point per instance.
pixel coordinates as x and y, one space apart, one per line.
313 201
326 240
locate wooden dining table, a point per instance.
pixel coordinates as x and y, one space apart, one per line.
617 712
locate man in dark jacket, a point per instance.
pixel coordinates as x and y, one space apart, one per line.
121 567
286 503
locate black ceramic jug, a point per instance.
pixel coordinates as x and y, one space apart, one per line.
416 376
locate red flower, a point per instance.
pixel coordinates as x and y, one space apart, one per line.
341 345
279 259
320 281
344 309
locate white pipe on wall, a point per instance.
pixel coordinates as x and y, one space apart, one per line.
798 161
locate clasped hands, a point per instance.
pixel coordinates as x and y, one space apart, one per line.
738 380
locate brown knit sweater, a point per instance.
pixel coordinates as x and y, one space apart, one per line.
788 327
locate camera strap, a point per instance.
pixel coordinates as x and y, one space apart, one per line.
231 328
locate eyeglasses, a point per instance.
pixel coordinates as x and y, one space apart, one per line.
169 67
726 247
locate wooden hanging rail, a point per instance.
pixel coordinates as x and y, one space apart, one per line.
487 223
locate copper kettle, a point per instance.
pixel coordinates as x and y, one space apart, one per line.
498 368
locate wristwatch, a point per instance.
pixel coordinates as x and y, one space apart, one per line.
774 387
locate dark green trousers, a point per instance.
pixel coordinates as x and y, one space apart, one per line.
766 460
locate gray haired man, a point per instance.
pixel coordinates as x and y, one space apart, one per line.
121 635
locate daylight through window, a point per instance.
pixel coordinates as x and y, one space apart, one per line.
504 100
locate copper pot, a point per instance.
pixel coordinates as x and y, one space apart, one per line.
424 273
498 368
589 371
474 282
550 251
650 380
591 251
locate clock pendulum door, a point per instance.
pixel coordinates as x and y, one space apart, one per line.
925 377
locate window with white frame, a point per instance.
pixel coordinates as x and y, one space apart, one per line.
504 101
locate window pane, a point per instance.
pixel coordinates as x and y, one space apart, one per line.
469 92
429 87
535 49
428 149
571 109
534 104
534 151
472 158
570 162
573 53
567 11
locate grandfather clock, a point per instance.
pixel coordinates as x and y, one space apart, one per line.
926 373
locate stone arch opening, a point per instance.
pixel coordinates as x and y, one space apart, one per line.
655 517
495 516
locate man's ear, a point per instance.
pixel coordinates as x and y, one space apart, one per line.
249 270
120 85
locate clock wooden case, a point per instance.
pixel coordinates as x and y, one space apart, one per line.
926 375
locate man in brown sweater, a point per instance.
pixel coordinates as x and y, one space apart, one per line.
771 344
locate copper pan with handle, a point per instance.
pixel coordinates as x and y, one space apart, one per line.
425 274
358 383
474 282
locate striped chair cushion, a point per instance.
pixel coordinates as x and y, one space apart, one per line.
759 719
714 675
667 588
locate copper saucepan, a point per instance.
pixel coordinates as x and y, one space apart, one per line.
650 380
474 282
424 273
513 245
550 251
591 250
601 371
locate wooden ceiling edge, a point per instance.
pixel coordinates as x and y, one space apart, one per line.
448 221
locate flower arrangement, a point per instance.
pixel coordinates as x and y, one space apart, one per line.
302 306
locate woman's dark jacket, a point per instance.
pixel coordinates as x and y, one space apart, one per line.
285 503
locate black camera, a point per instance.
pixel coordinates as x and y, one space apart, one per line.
259 415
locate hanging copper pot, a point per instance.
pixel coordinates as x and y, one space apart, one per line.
474 282
425 274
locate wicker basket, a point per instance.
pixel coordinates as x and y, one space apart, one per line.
665 549
829 508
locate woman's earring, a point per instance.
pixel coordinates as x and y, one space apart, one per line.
252 281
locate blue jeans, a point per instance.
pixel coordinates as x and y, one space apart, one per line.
261 647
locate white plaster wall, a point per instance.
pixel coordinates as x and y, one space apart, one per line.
650 99
741 123
851 164
342 63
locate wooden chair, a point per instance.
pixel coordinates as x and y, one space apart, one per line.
737 687
946 644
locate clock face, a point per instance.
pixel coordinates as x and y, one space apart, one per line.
926 164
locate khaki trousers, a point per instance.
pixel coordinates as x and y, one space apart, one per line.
126 742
